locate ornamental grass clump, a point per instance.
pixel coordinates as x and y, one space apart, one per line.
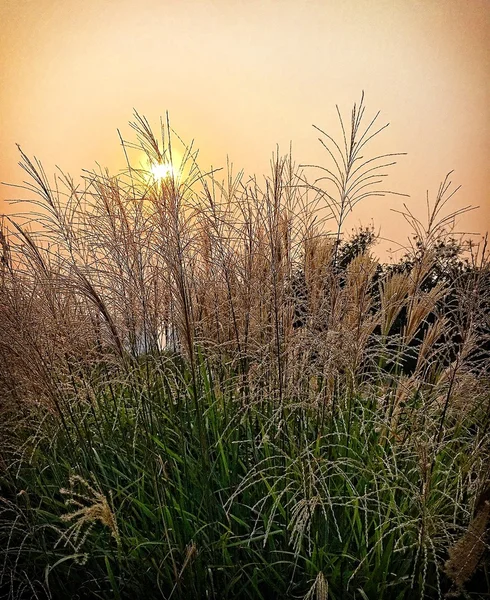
209 390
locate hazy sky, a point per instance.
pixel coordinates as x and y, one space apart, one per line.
241 76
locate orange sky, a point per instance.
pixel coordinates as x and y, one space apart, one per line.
241 76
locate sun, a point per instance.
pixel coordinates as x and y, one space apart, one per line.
162 170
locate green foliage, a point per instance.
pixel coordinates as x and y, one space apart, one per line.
281 495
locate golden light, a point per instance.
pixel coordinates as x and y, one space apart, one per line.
162 170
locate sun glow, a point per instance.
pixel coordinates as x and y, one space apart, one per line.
162 170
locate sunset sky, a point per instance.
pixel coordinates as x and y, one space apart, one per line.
239 77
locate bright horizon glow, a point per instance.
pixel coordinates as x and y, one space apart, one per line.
423 64
162 170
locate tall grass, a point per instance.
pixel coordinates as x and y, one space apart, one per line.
206 394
